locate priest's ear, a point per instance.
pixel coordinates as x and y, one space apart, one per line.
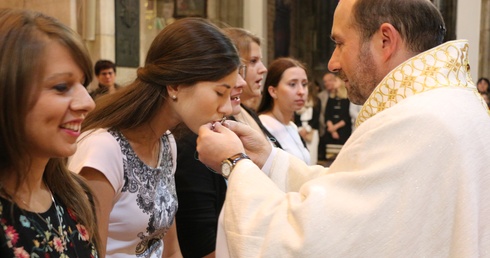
387 41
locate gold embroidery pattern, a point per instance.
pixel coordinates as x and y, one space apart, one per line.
443 66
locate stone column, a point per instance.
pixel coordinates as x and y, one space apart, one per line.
484 56
468 27
255 20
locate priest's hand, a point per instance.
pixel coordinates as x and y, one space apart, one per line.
217 143
257 147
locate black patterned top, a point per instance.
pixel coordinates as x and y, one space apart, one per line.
56 234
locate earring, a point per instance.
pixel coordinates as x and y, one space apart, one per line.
174 97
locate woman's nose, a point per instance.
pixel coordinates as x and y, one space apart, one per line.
82 100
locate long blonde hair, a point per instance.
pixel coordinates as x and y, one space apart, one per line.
341 90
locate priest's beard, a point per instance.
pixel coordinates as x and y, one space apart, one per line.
364 79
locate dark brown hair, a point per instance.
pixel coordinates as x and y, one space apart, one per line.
483 79
275 71
419 22
103 65
188 51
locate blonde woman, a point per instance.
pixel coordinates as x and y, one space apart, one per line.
308 121
337 117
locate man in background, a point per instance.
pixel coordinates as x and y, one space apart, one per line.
105 71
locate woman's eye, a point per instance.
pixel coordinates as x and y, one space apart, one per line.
62 87
220 94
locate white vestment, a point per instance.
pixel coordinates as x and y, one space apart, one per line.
412 181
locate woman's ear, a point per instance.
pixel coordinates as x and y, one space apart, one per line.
173 91
272 91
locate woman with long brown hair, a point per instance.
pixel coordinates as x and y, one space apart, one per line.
45 210
201 192
285 91
127 151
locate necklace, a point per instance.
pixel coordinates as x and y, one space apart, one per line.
50 226
300 147
43 219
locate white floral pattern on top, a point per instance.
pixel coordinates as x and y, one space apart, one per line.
155 192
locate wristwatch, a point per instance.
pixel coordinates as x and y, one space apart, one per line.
228 164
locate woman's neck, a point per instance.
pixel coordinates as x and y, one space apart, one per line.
151 131
145 139
145 143
32 192
142 135
281 116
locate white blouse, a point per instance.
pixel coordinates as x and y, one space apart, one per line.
287 136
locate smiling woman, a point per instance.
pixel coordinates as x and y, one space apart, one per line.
51 130
43 103
127 151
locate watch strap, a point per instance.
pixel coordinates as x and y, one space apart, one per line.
234 160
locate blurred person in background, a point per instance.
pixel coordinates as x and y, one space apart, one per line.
329 81
286 91
482 86
105 72
307 120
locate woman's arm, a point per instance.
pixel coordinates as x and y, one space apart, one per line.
101 188
171 243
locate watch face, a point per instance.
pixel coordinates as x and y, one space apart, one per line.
227 165
226 168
